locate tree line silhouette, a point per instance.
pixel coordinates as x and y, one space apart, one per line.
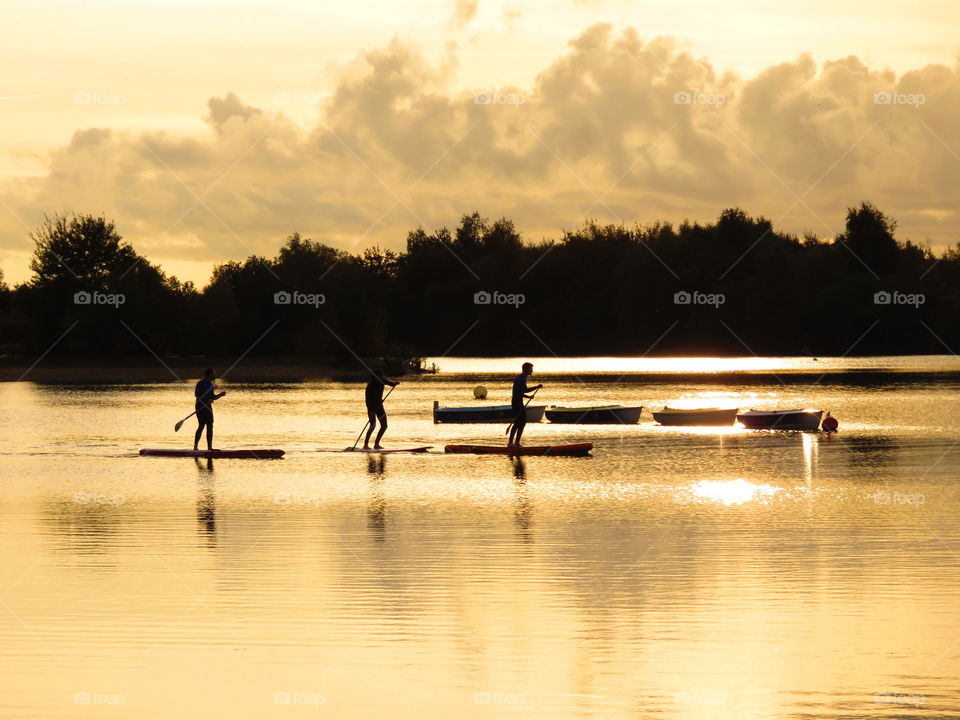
735 286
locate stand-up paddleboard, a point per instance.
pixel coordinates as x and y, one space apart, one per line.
255 454
391 450
575 449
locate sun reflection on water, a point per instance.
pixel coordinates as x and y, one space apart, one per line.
710 399
733 492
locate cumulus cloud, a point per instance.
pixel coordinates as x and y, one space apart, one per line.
618 128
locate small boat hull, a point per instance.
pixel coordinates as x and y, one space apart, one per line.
252 454
577 449
697 416
781 419
484 414
604 415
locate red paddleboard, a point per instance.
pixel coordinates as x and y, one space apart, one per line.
576 449
256 454
397 450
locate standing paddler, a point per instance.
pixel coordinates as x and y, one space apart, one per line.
205 393
517 405
375 411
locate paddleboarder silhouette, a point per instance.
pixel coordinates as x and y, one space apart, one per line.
375 411
205 393
520 391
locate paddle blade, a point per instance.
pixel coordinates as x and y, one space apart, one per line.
176 428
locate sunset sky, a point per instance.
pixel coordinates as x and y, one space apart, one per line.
211 130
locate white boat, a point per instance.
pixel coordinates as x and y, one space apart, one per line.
483 413
596 415
781 419
695 416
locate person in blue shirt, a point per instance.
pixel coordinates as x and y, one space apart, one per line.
520 391
205 393
375 411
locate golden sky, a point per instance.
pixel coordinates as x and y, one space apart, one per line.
211 130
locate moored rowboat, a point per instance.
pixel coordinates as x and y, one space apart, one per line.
483 413
254 454
599 415
575 449
695 416
780 419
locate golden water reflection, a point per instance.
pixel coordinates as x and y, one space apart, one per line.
733 492
677 573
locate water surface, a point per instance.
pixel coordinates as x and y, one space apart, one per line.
688 573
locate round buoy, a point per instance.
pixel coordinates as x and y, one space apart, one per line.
830 423
480 392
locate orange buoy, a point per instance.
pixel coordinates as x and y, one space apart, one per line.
830 423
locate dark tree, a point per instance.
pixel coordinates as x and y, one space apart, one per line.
869 235
597 289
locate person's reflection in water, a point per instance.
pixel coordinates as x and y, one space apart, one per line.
377 509
522 511
206 500
519 468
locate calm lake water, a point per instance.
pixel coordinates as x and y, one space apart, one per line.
698 573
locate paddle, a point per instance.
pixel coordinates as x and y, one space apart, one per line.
510 426
351 449
176 428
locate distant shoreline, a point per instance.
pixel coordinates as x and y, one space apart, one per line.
130 371
179 370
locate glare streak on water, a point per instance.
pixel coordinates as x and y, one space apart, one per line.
685 573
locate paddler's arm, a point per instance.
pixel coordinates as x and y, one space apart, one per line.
214 395
529 389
